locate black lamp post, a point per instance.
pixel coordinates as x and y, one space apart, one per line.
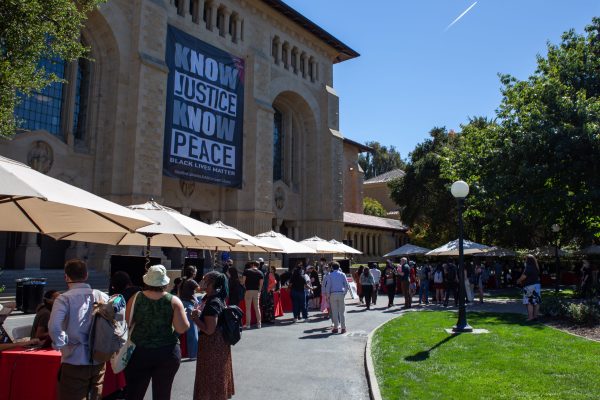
556 229
460 190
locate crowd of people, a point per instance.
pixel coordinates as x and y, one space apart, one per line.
159 318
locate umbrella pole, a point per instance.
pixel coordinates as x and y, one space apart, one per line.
147 252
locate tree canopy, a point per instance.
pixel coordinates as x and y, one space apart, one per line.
373 207
384 159
30 31
538 162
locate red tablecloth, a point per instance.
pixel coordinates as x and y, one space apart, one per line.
277 300
286 300
33 374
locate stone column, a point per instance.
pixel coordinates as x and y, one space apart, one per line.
279 52
305 61
28 254
198 11
313 71
226 19
213 16
181 7
289 58
238 29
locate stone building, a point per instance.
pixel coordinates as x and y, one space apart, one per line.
377 188
105 129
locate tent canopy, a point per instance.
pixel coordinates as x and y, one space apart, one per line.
407 250
451 248
286 244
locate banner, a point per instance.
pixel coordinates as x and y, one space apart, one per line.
205 112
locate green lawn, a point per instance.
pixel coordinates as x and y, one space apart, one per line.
516 293
416 359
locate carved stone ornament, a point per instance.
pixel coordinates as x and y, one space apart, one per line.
187 187
40 156
279 198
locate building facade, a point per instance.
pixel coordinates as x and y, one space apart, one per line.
105 129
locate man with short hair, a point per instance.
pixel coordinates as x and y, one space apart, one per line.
335 290
252 280
69 326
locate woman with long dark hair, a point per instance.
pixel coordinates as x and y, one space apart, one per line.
236 290
356 277
367 283
214 368
532 291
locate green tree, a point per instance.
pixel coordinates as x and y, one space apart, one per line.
383 159
423 193
30 31
540 164
373 207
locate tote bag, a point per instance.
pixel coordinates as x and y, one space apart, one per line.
120 359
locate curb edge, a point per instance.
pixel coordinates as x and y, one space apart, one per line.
374 393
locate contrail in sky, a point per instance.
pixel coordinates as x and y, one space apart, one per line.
460 16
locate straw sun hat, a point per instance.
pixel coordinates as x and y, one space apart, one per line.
156 276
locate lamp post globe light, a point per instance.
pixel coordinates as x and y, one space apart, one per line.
556 229
460 190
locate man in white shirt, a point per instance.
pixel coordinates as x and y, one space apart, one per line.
335 290
376 272
69 326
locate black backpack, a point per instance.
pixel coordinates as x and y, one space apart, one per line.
232 324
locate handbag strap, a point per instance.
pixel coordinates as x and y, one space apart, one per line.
131 313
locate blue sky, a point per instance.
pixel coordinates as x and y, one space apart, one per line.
413 74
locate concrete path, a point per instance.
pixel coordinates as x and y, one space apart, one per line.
304 361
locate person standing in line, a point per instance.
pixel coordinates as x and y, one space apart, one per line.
315 283
157 321
368 283
325 307
236 290
214 368
479 281
252 279
336 289
424 276
389 280
532 291
356 277
298 286
376 272
69 326
451 283
404 272
412 279
438 284
187 293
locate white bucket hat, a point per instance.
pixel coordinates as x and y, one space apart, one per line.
156 276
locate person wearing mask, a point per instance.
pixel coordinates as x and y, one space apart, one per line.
187 293
298 294
39 328
404 272
68 327
236 290
252 279
214 368
336 289
367 282
376 272
532 292
389 280
121 284
157 321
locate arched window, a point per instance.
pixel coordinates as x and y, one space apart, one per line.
60 108
277 146
43 109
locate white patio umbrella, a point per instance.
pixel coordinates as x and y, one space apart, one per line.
451 248
496 251
248 244
170 229
286 244
33 202
590 250
407 250
344 248
320 246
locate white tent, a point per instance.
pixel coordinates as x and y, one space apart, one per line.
249 243
286 244
451 248
320 246
407 250
344 248
496 251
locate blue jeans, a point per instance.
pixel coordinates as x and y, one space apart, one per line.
191 336
424 287
299 303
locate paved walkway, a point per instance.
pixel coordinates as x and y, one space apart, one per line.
304 361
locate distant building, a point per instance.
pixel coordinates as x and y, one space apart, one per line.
377 188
